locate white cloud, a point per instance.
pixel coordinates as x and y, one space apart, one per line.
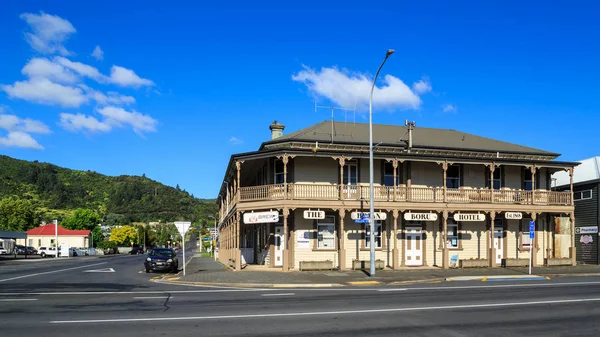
118 116
81 68
98 54
110 98
20 139
235 140
422 86
48 32
127 78
353 89
44 91
449 108
44 68
78 122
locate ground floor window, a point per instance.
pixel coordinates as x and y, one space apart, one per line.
525 239
326 233
452 236
377 231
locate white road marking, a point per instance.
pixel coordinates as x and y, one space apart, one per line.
18 299
277 294
152 298
161 292
340 312
105 270
394 289
50 272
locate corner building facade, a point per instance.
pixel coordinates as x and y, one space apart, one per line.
441 197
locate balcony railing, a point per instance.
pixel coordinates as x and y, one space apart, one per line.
296 191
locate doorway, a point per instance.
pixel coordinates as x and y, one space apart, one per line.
414 246
279 246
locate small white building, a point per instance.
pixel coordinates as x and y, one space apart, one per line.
45 236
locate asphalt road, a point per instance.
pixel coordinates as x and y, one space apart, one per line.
74 302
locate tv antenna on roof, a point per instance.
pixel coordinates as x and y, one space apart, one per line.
332 115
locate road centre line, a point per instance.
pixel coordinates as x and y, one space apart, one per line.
50 272
278 294
340 312
233 290
18 299
153 298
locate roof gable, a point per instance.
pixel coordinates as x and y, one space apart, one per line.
348 132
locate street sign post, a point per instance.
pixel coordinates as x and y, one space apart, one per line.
531 237
364 218
182 227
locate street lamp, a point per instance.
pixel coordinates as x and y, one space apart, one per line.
371 188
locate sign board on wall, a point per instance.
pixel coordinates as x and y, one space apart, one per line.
513 215
261 217
586 230
359 215
469 217
303 240
420 216
319 215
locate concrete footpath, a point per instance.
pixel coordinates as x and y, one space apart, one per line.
204 271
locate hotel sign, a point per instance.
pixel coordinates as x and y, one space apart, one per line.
513 215
420 216
469 217
314 215
261 217
378 215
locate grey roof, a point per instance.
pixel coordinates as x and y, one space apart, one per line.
12 235
588 171
350 132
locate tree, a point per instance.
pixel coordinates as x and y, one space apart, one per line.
81 219
97 236
123 235
17 214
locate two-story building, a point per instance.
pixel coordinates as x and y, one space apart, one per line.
440 196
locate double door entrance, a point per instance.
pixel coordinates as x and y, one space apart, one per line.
413 254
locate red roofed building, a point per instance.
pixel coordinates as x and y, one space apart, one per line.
45 235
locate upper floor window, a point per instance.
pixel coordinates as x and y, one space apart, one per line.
351 173
278 171
453 176
527 180
582 195
496 184
388 174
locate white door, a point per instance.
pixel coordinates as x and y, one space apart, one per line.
279 246
351 180
498 244
414 246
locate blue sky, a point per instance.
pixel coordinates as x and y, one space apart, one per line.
175 88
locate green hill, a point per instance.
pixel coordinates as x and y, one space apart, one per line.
52 192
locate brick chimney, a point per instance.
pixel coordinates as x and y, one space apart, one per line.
276 130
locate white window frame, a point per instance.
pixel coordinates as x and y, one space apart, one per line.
452 234
378 235
577 196
328 222
347 178
457 178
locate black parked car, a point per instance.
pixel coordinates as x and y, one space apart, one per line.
162 259
136 250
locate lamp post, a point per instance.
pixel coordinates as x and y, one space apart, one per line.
214 239
371 188
56 237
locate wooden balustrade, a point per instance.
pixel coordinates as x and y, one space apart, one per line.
402 193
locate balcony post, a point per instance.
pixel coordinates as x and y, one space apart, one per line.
395 166
408 181
533 169
571 174
342 161
286 213
238 166
395 255
492 169
285 160
238 251
445 167
445 261
492 236
342 235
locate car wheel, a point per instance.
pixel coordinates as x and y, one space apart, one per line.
43 255
147 270
175 269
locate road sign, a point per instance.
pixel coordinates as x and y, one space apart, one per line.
182 227
532 229
364 218
206 239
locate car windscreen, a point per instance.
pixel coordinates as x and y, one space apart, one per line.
161 252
